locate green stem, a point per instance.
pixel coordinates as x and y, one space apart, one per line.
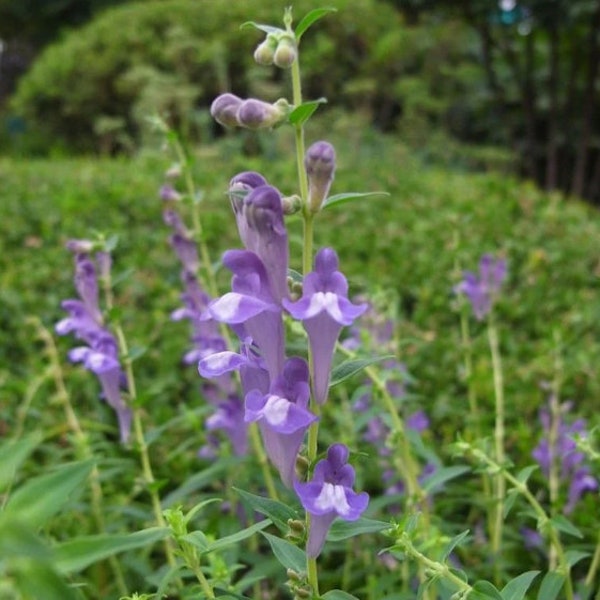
138 429
499 483
544 522
591 574
262 461
435 568
83 450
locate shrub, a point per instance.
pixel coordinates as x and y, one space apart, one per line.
95 88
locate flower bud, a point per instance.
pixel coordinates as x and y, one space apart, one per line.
224 109
286 53
291 204
319 163
256 114
265 52
169 194
80 246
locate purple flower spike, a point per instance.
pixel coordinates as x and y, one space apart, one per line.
482 290
283 416
324 309
330 495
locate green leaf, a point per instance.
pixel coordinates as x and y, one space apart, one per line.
511 498
524 474
338 595
278 512
442 475
197 539
350 367
455 541
563 524
516 588
310 18
261 27
342 530
338 199
290 556
304 111
45 495
200 480
551 586
79 553
40 580
12 455
484 589
574 556
230 540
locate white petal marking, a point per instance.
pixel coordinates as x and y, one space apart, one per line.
333 497
276 410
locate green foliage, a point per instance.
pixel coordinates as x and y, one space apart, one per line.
95 88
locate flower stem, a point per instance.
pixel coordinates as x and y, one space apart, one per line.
138 430
83 450
499 482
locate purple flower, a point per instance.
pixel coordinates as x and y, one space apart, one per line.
229 418
481 290
263 232
324 309
283 416
319 163
251 303
573 472
100 354
328 495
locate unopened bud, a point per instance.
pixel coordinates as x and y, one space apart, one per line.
293 575
173 171
291 204
265 52
169 194
224 109
286 53
256 114
319 163
80 246
296 527
303 593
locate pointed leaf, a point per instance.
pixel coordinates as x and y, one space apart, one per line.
79 553
342 530
338 595
230 540
455 541
261 27
338 199
45 495
278 512
310 18
12 455
290 556
40 580
524 474
304 111
574 556
353 366
516 588
442 475
484 589
551 586
563 524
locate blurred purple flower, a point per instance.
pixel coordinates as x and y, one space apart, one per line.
324 309
481 290
328 495
100 355
573 472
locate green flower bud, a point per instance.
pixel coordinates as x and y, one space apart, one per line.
286 52
291 204
265 52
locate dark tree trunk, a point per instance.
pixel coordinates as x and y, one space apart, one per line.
589 103
552 147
